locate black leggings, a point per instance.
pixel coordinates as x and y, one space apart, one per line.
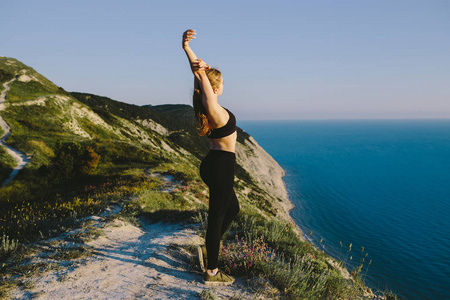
217 171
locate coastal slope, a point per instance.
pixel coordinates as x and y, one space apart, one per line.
89 153
47 124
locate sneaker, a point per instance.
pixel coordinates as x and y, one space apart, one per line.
202 257
219 279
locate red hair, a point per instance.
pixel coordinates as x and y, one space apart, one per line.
203 127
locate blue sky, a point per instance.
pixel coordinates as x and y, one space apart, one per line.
280 59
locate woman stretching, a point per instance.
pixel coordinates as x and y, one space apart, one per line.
217 168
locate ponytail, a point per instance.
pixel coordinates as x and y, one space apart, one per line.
200 114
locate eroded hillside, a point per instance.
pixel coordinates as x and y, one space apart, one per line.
44 119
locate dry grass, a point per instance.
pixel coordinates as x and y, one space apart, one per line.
71 253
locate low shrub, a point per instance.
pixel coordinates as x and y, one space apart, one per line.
7 247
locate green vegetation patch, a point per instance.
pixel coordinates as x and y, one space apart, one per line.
262 201
270 249
5 76
108 107
35 122
14 67
5 286
95 130
41 203
32 269
151 201
27 90
7 164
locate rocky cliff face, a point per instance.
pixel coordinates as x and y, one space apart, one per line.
266 173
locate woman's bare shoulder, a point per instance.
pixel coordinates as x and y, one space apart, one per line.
218 116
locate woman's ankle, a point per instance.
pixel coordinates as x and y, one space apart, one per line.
213 272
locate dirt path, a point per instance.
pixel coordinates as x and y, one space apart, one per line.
20 158
129 262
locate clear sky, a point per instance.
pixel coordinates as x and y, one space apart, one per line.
280 59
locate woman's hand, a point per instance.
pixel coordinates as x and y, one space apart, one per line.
199 65
188 35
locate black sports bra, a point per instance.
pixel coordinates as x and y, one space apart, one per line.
225 130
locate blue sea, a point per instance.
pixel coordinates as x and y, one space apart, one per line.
379 184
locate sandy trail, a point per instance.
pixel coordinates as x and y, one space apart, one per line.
20 158
130 262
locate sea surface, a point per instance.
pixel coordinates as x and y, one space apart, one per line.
379 184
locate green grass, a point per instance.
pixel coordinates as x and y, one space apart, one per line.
7 163
12 67
51 205
271 250
5 286
5 76
27 91
33 269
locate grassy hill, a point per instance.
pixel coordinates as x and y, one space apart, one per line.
71 144
89 151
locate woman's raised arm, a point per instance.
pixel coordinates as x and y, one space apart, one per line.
189 35
198 67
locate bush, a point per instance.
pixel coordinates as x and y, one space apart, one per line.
243 257
74 159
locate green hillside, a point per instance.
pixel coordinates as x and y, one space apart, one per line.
75 138
89 151
71 144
